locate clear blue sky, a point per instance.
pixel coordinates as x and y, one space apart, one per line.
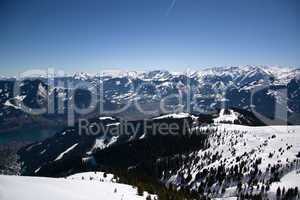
89 35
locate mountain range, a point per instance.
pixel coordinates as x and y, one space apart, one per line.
272 93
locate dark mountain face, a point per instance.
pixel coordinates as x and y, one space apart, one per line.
6 87
32 102
137 141
108 141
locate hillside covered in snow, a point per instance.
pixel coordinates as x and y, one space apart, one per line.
242 161
89 186
209 156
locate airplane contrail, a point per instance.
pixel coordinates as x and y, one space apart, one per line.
171 7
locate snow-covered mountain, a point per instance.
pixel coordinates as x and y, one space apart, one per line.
242 160
207 89
221 149
209 155
272 93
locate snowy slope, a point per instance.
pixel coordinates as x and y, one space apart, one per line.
261 141
290 180
239 154
31 188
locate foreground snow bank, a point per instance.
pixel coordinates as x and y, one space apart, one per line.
30 188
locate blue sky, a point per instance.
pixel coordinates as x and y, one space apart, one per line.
90 36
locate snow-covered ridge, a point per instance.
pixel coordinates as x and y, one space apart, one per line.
31 188
60 156
175 116
159 74
279 72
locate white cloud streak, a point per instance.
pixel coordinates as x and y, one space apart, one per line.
173 3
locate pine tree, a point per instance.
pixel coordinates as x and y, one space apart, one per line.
140 191
283 191
278 193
